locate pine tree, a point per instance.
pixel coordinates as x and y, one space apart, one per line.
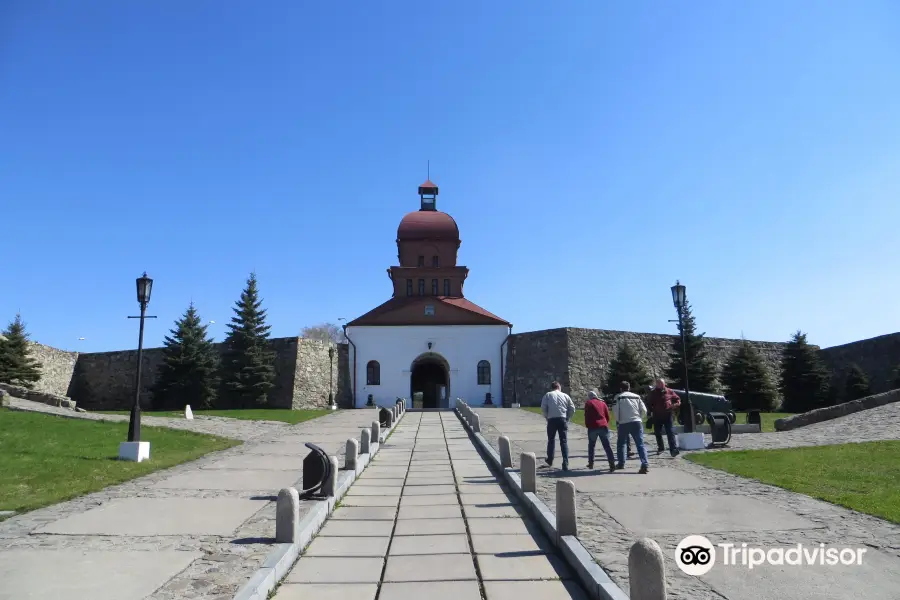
805 381
188 372
701 370
626 366
248 364
17 367
896 382
747 381
857 383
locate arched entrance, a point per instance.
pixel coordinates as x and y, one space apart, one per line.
430 375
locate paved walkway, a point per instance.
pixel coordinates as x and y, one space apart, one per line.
678 498
427 519
198 530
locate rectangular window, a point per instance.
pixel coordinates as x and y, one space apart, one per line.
421 261
409 287
429 310
421 287
446 287
435 261
434 287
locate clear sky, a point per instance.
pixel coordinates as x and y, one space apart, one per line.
591 152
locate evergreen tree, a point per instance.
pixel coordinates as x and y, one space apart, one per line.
896 382
701 370
248 363
17 367
804 380
747 381
857 383
188 372
626 366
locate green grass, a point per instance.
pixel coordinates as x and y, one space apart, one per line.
864 477
45 459
284 415
768 418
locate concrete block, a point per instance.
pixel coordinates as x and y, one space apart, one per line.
351 455
646 571
364 436
330 487
565 508
287 516
505 452
188 413
528 471
134 451
376 431
476 423
691 441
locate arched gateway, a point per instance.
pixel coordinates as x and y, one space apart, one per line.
429 375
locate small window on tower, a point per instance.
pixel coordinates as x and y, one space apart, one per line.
429 310
446 287
484 372
435 261
421 287
409 289
434 287
421 261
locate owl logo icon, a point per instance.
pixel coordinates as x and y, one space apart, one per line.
695 555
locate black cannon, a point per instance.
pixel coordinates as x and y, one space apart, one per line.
719 429
316 471
384 417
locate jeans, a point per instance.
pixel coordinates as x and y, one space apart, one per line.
660 423
634 429
603 434
558 426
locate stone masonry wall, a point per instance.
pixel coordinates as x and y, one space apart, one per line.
536 359
57 367
315 374
877 356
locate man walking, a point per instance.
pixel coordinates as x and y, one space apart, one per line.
596 419
558 409
663 403
630 412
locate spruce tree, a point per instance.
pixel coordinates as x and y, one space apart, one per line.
188 372
248 363
747 381
857 383
17 367
701 370
626 366
896 382
804 382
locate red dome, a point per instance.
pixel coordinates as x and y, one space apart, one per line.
427 224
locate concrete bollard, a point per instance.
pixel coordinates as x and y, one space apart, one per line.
376 432
476 423
364 441
565 508
330 486
287 516
351 456
528 472
646 571
505 452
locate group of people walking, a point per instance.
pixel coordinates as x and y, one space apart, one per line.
629 411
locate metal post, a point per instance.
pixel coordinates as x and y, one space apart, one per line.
331 377
134 423
686 405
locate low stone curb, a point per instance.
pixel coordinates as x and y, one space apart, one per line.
281 559
592 576
836 411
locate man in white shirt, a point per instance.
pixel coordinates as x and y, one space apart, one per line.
558 409
630 413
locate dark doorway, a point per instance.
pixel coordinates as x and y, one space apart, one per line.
429 375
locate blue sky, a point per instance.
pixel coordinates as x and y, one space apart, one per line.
591 153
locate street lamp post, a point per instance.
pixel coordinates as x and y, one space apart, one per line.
687 408
331 378
135 449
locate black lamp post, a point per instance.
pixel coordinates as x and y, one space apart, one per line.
331 377
515 377
144 286
687 408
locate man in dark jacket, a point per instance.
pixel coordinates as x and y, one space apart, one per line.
662 402
596 419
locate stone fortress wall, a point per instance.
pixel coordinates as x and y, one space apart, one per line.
575 357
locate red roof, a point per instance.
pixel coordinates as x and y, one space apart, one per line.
373 316
428 184
427 224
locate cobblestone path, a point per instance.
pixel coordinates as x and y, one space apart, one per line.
198 530
427 519
678 498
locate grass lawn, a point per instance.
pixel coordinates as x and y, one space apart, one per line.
768 419
864 477
45 459
252 414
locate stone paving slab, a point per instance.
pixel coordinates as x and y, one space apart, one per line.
98 575
327 591
348 546
430 567
385 501
496 567
159 516
430 526
429 544
446 511
533 590
506 544
624 482
233 480
364 513
267 462
435 590
317 569
350 528
429 500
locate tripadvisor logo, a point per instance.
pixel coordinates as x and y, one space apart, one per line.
696 555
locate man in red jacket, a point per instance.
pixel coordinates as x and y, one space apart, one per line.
662 402
596 419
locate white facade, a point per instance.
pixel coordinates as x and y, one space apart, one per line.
396 348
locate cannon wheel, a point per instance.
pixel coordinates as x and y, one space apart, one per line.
731 416
699 418
326 471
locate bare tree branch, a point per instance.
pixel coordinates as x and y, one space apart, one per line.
324 332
